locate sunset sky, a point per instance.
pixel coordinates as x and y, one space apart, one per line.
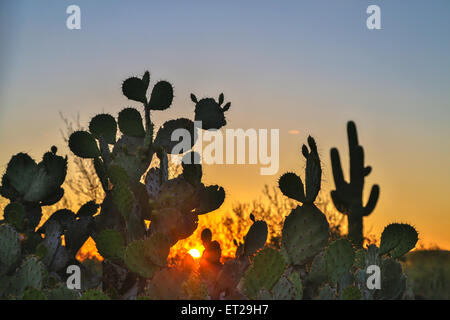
303 67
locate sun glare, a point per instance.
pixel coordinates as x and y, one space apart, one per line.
194 253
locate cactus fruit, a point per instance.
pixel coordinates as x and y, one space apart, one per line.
348 196
213 251
267 267
398 239
210 112
339 258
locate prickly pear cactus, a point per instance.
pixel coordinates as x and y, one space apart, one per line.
307 266
306 229
256 237
10 248
32 260
267 267
33 185
398 239
122 150
339 258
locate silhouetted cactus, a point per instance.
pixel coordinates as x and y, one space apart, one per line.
32 261
309 267
348 196
306 229
172 205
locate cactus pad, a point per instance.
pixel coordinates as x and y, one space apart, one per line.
146 256
110 244
305 233
255 238
211 198
291 186
398 239
135 89
130 123
393 281
268 266
123 199
104 125
339 258
10 249
164 136
14 214
30 274
210 113
83 145
162 96
288 287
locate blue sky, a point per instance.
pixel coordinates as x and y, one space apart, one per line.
294 65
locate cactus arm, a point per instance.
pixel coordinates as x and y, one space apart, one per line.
337 169
373 199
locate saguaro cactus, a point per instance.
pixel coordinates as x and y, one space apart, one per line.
348 196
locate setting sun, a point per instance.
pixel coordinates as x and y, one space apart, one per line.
194 253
